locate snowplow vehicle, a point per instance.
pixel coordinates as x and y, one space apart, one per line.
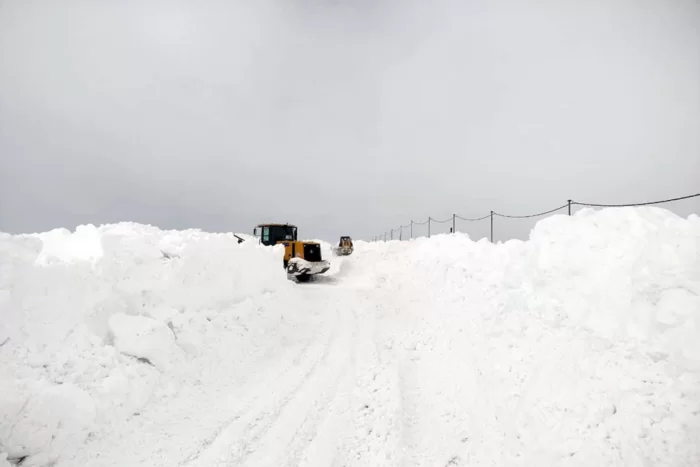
345 246
302 259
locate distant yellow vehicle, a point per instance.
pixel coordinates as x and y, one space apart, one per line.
345 246
302 260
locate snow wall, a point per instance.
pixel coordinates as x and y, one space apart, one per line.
98 323
623 273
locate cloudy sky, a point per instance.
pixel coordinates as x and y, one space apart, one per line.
344 117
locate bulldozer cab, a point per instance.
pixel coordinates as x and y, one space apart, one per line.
345 241
271 234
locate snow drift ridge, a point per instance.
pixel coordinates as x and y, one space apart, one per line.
98 323
626 273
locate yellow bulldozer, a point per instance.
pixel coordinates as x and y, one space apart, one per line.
302 259
345 246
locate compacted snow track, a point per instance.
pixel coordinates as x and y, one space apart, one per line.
168 350
321 401
314 400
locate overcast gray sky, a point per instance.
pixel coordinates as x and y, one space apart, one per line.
342 117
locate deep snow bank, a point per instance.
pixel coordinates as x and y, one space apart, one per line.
577 347
625 273
96 324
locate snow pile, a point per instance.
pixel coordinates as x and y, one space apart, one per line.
630 274
97 324
576 347
449 268
60 245
627 274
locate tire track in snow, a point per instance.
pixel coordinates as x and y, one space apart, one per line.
299 425
184 423
253 402
239 440
374 413
432 385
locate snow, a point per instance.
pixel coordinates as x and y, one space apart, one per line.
127 345
630 274
63 246
144 338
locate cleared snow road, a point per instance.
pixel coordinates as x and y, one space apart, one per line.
313 411
329 398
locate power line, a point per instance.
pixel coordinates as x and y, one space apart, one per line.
473 220
532 215
634 204
568 205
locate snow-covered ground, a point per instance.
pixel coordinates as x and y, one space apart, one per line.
125 345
